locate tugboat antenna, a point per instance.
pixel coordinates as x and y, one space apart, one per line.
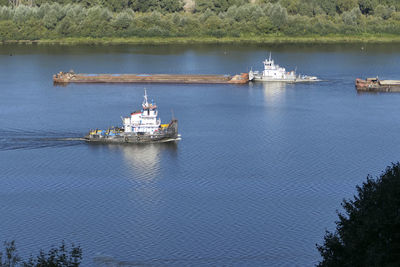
145 102
172 113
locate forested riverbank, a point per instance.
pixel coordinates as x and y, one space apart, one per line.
333 39
216 21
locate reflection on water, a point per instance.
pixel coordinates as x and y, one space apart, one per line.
274 91
142 159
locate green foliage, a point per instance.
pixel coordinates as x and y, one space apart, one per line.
211 18
367 6
145 5
33 30
215 26
217 6
56 257
264 25
21 14
368 233
352 17
11 258
6 13
277 14
293 7
395 16
246 12
346 5
171 5
157 5
50 19
123 20
115 5
96 23
8 31
384 11
329 7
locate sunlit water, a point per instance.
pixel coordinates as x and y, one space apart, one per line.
256 179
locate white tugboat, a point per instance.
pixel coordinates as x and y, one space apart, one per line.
274 73
141 126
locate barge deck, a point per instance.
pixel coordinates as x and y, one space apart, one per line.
376 85
71 77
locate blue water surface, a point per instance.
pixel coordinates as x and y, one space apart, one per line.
255 181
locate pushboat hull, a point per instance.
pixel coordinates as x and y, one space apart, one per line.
297 80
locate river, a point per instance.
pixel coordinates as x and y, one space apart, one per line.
255 181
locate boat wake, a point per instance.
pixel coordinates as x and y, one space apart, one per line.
171 139
24 140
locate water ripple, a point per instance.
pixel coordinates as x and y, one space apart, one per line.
17 139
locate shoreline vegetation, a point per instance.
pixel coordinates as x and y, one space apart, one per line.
366 231
199 21
333 39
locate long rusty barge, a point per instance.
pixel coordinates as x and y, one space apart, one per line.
71 77
376 85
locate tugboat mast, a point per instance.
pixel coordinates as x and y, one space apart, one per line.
145 103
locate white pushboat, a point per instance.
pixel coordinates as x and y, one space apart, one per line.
274 73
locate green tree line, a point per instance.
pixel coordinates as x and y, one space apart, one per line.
44 19
301 7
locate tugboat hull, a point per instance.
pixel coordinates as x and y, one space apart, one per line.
169 134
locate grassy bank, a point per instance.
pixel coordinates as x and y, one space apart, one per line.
333 39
